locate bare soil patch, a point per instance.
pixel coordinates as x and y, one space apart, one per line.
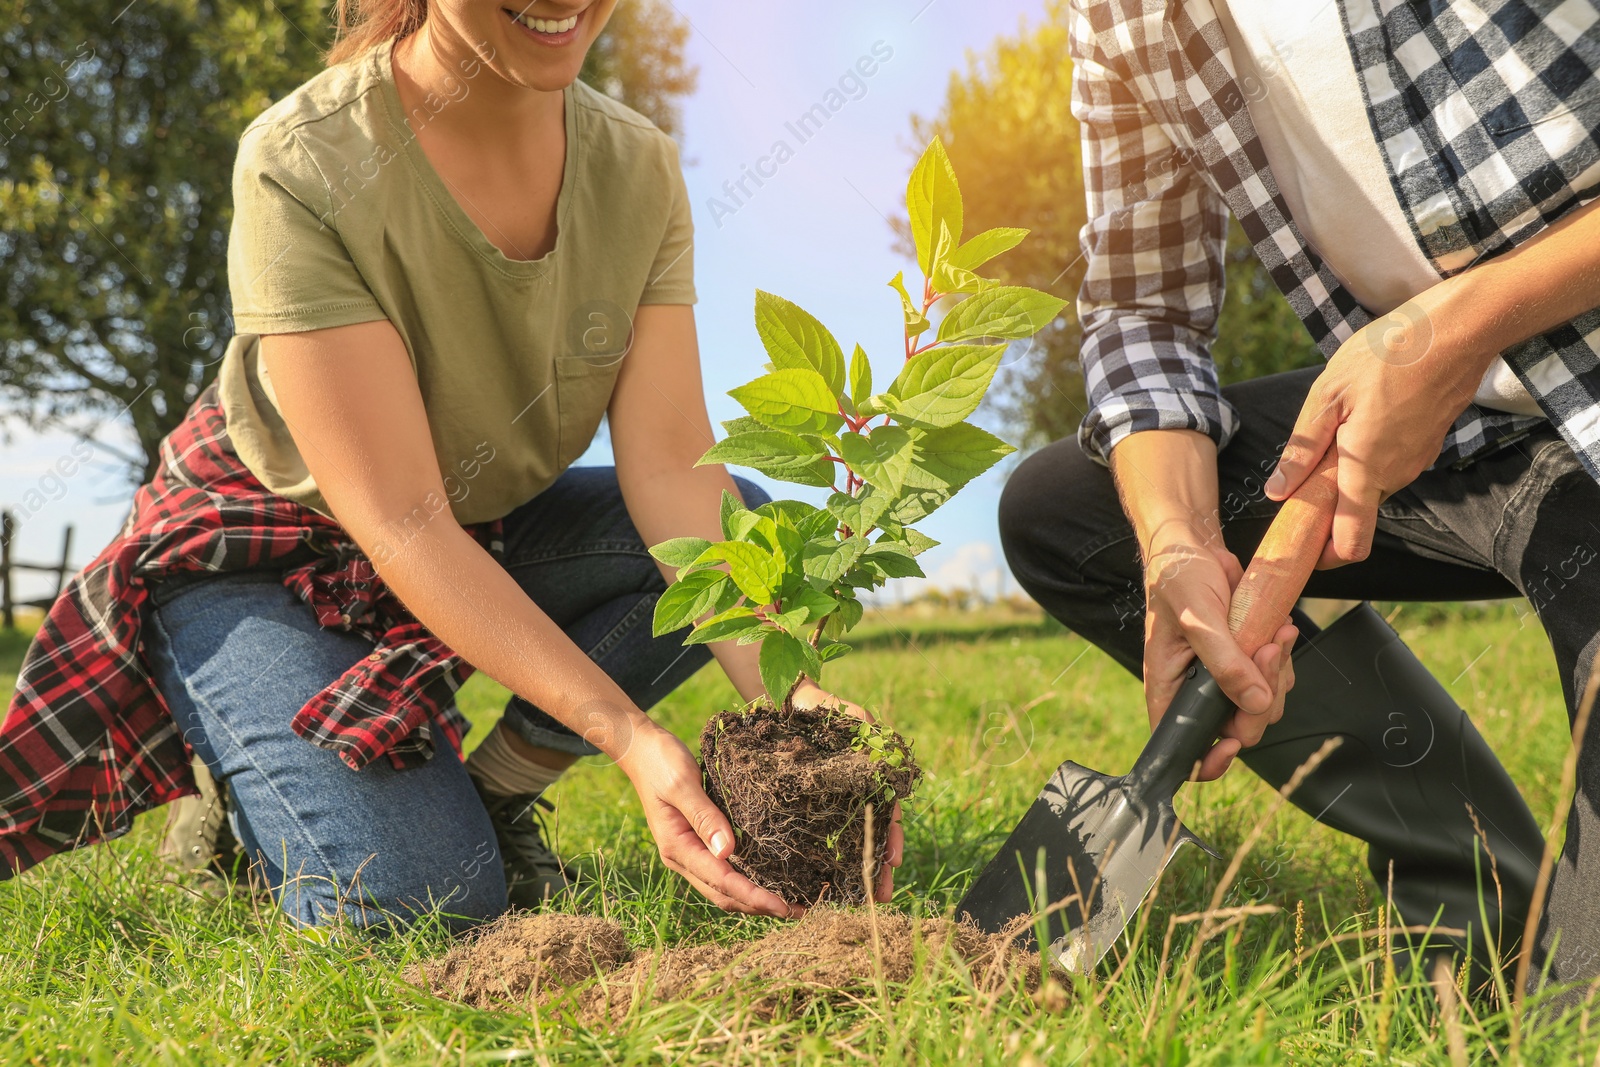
522 962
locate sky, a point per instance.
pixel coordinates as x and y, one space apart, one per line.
816 232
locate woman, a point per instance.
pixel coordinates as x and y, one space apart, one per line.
449 260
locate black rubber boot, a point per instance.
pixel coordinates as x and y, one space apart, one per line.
1409 766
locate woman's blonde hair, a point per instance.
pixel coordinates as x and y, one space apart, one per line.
361 25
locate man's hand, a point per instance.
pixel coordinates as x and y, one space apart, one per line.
1189 580
1391 392
1168 483
1384 404
692 834
811 695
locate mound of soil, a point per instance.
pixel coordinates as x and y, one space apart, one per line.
795 783
514 962
523 961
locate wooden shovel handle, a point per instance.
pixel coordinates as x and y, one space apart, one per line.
1283 562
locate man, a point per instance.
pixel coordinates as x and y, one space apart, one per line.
1417 178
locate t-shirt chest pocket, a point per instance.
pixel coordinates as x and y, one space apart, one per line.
599 335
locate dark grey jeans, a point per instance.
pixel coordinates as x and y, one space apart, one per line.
574 551
1524 520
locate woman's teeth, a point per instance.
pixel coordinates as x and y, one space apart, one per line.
547 25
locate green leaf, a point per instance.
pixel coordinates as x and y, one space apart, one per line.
949 279
736 518
795 339
850 612
860 376
751 567
809 522
783 659
687 599
1008 312
727 597
790 622
735 622
985 246
893 560
832 650
878 404
914 505
933 197
731 507
784 543
859 513
797 513
951 456
680 552
792 398
915 541
881 458
776 453
915 321
944 385
827 560
812 603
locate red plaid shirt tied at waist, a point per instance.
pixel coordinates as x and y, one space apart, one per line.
88 742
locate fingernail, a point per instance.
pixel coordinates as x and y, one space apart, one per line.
719 844
1256 698
1276 483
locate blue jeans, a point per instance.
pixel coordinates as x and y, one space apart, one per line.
236 656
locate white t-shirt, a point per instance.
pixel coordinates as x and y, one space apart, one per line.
1294 66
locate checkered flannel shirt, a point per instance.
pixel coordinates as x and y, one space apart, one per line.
1487 114
89 743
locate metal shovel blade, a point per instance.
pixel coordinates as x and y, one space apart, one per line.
1084 856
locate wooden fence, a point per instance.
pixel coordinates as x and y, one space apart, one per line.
9 567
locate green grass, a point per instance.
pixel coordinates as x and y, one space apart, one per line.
106 958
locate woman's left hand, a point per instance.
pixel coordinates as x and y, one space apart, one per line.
1384 404
811 695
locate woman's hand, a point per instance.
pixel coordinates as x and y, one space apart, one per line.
1384 404
692 834
811 695
1189 580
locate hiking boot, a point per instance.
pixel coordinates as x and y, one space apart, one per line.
198 836
534 874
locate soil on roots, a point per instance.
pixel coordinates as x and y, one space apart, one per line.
834 955
795 783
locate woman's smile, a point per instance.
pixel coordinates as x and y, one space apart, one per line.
547 31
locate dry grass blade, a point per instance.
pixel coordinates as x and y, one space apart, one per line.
1564 798
1444 987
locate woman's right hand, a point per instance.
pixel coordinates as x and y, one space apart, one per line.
694 837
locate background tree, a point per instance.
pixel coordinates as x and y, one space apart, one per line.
1008 125
639 59
117 137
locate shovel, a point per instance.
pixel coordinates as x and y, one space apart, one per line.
1092 846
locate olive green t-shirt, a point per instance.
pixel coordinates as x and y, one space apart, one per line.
339 218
